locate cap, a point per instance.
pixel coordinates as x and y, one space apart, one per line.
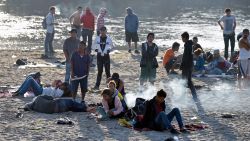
73 30
103 28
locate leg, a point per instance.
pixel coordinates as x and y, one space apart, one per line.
163 121
232 43
143 75
128 40
107 68
90 35
46 44
226 42
67 75
78 32
135 39
84 87
84 35
74 86
51 49
30 82
175 113
100 70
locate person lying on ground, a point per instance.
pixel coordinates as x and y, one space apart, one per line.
57 89
112 106
155 118
47 104
198 62
212 68
169 59
115 92
119 83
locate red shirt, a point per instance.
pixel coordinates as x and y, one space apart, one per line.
158 108
88 20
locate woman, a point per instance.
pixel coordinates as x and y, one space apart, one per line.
57 89
149 62
115 92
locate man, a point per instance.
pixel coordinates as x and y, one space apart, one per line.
80 68
228 27
75 21
100 20
187 60
244 55
50 22
169 59
69 47
131 27
155 118
196 45
102 46
88 27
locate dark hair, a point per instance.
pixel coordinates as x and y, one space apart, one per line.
52 8
161 93
175 45
83 43
245 30
185 35
227 10
79 7
195 38
106 91
115 76
66 91
151 34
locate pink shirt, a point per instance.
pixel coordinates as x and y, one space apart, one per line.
118 106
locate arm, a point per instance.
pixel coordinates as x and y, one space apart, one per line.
118 106
105 105
219 22
121 86
234 24
126 24
137 23
72 67
71 18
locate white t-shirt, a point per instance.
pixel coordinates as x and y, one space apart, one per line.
228 22
52 91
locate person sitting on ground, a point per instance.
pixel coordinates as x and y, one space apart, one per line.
57 89
212 68
112 106
112 87
155 118
119 83
169 59
223 64
199 61
195 44
49 105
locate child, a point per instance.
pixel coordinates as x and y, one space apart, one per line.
169 59
80 61
199 61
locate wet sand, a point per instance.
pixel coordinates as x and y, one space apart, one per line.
39 126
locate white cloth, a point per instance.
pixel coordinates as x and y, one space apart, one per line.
50 23
244 54
244 66
108 47
52 91
228 22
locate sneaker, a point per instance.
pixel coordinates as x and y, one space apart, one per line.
43 56
174 131
184 131
129 51
96 88
15 94
137 52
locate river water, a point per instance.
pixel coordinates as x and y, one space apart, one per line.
21 28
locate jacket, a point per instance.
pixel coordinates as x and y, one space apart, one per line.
187 58
96 46
149 56
131 22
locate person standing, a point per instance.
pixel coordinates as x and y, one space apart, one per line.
100 20
131 27
75 21
88 27
50 22
187 60
148 61
228 27
102 46
69 47
80 68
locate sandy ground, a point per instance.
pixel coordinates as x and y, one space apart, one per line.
39 126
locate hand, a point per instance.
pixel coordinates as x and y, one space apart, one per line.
96 50
110 112
222 28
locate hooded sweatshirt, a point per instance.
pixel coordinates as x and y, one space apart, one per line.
131 21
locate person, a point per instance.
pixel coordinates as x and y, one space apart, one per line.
49 105
75 21
102 46
119 83
155 118
115 92
199 62
131 27
57 89
195 44
169 59
228 27
222 63
100 20
187 60
70 45
112 106
148 61
80 62
48 43
88 27
244 55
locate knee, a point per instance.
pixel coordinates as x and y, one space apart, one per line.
162 113
176 110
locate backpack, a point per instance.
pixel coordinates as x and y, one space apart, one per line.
44 23
138 109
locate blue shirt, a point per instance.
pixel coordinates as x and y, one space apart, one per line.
131 23
80 64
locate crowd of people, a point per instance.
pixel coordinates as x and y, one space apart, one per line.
78 54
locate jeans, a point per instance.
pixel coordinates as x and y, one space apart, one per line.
102 61
165 120
30 82
70 105
48 43
228 37
67 74
87 33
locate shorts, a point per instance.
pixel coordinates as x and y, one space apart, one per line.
83 84
132 36
169 64
244 68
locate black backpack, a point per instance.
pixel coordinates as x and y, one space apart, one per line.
138 109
